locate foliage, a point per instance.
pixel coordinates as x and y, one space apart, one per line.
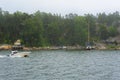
46 29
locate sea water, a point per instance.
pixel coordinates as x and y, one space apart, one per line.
62 65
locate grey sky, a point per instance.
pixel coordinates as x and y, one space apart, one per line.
61 6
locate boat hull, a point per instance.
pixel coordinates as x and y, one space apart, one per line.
21 54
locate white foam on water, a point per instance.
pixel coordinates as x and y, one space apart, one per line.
3 56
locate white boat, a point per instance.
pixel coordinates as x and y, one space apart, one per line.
88 47
19 54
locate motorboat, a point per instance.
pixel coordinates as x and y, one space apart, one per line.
16 50
15 53
88 47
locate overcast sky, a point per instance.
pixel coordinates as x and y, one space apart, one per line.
63 7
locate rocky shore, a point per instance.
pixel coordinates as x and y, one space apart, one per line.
96 47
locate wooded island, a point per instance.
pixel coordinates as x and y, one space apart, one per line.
42 29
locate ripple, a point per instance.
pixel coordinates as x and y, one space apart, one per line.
62 65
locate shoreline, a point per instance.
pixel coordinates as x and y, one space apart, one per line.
9 47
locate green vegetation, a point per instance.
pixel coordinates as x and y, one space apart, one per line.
46 29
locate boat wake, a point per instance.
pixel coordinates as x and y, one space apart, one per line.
3 56
7 56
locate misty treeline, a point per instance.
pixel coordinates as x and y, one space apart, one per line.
46 29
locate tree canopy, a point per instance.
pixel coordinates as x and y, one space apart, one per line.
46 29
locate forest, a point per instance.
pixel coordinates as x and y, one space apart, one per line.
47 29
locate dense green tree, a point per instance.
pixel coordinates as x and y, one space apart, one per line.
112 31
104 34
46 29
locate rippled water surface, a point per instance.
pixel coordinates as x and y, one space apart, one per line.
62 65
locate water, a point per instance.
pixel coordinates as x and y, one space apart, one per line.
62 65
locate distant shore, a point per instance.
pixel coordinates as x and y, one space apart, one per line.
100 47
